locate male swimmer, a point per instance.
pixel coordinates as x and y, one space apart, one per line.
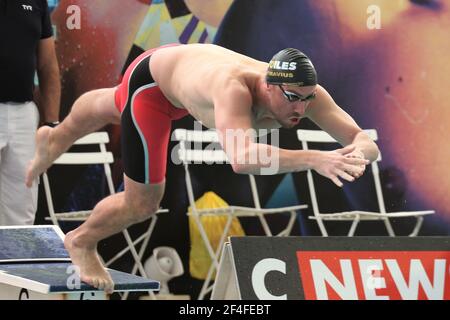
220 88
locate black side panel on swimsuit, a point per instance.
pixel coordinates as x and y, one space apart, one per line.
132 149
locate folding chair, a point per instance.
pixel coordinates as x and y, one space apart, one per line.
189 156
318 136
105 158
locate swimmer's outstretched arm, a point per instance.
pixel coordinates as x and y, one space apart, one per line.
234 123
340 125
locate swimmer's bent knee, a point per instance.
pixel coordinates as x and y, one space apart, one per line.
141 212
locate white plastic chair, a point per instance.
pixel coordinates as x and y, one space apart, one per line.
217 156
318 136
104 158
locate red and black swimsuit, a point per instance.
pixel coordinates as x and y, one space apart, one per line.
146 122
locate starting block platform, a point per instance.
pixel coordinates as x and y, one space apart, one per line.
35 265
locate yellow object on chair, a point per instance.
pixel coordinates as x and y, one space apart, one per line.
200 261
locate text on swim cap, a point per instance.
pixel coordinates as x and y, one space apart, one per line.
280 74
280 65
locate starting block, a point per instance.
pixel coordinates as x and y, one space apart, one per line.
35 265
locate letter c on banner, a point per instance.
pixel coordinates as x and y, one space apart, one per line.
259 274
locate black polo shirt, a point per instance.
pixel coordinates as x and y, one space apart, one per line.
22 24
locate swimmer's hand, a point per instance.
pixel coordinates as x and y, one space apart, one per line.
340 164
357 153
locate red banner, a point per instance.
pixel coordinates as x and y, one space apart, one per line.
375 275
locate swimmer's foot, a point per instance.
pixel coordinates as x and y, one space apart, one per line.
92 270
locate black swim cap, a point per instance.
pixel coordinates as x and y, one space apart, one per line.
291 67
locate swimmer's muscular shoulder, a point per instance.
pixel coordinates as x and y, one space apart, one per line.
232 94
232 105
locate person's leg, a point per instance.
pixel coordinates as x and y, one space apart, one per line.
92 111
111 215
145 137
17 202
145 130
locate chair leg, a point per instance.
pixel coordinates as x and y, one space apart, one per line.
204 236
205 289
389 228
287 231
145 241
214 257
417 227
264 224
214 263
138 256
355 223
121 253
134 253
322 227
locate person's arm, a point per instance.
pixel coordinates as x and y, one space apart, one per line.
49 80
233 122
341 126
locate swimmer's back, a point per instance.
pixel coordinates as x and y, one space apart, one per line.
179 69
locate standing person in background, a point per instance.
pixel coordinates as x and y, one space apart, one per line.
26 46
